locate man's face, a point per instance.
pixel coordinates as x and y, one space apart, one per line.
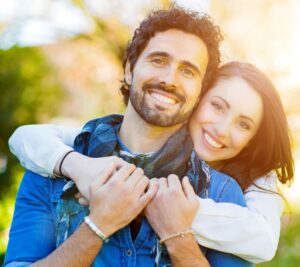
166 80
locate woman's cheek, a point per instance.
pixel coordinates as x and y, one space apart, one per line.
240 140
203 113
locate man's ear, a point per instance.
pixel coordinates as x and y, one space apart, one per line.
128 74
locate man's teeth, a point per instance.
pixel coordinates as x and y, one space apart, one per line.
163 98
211 141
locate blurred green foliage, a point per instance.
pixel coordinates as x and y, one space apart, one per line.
29 93
289 245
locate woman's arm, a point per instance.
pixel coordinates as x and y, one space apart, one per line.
39 147
251 232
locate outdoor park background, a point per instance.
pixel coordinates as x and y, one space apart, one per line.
60 62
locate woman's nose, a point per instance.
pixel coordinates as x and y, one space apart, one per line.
222 127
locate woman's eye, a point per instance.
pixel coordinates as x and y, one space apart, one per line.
244 125
217 106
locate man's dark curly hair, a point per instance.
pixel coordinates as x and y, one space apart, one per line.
180 19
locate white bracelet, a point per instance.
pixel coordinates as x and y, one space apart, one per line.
95 229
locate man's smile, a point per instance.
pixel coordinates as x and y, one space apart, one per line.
165 98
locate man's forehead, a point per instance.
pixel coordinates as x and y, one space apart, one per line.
179 45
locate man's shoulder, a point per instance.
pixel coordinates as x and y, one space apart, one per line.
93 124
223 188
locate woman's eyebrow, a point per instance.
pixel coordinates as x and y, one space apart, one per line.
221 98
228 106
247 118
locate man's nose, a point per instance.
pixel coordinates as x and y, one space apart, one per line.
170 78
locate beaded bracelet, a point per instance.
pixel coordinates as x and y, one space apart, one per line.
181 234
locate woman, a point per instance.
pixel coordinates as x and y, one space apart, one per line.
245 137
244 147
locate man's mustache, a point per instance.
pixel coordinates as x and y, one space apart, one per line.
163 87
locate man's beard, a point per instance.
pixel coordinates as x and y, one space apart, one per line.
156 116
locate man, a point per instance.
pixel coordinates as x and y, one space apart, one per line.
162 83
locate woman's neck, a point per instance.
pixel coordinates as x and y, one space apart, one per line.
217 165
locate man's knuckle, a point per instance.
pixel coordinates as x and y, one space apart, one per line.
108 166
159 197
145 179
174 191
112 165
172 176
126 191
139 171
115 183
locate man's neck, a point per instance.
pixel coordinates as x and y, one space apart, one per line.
141 137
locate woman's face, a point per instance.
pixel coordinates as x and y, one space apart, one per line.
226 119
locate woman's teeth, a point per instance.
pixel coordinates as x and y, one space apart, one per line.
163 98
211 141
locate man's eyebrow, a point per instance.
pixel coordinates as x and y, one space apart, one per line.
159 53
191 65
184 62
228 106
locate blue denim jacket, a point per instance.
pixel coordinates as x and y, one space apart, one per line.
34 228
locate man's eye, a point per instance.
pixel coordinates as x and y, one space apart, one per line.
188 72
244 125
158 61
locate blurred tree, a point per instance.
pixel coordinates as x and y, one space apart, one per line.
29 93
109 31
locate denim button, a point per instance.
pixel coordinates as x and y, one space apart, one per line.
128 252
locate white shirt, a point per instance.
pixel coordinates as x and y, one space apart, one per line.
251 232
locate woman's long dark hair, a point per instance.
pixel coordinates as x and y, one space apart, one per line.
270 148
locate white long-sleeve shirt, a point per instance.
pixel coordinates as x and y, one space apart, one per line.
251 232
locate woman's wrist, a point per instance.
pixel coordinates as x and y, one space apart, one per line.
66 165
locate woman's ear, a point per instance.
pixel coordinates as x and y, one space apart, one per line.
128 74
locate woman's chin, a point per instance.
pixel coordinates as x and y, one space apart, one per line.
205 155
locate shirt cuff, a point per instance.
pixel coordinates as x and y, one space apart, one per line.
54 158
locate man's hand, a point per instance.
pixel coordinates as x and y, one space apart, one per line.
84 170
171 211
115 202
173 208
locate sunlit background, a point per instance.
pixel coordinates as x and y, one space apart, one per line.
60 62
